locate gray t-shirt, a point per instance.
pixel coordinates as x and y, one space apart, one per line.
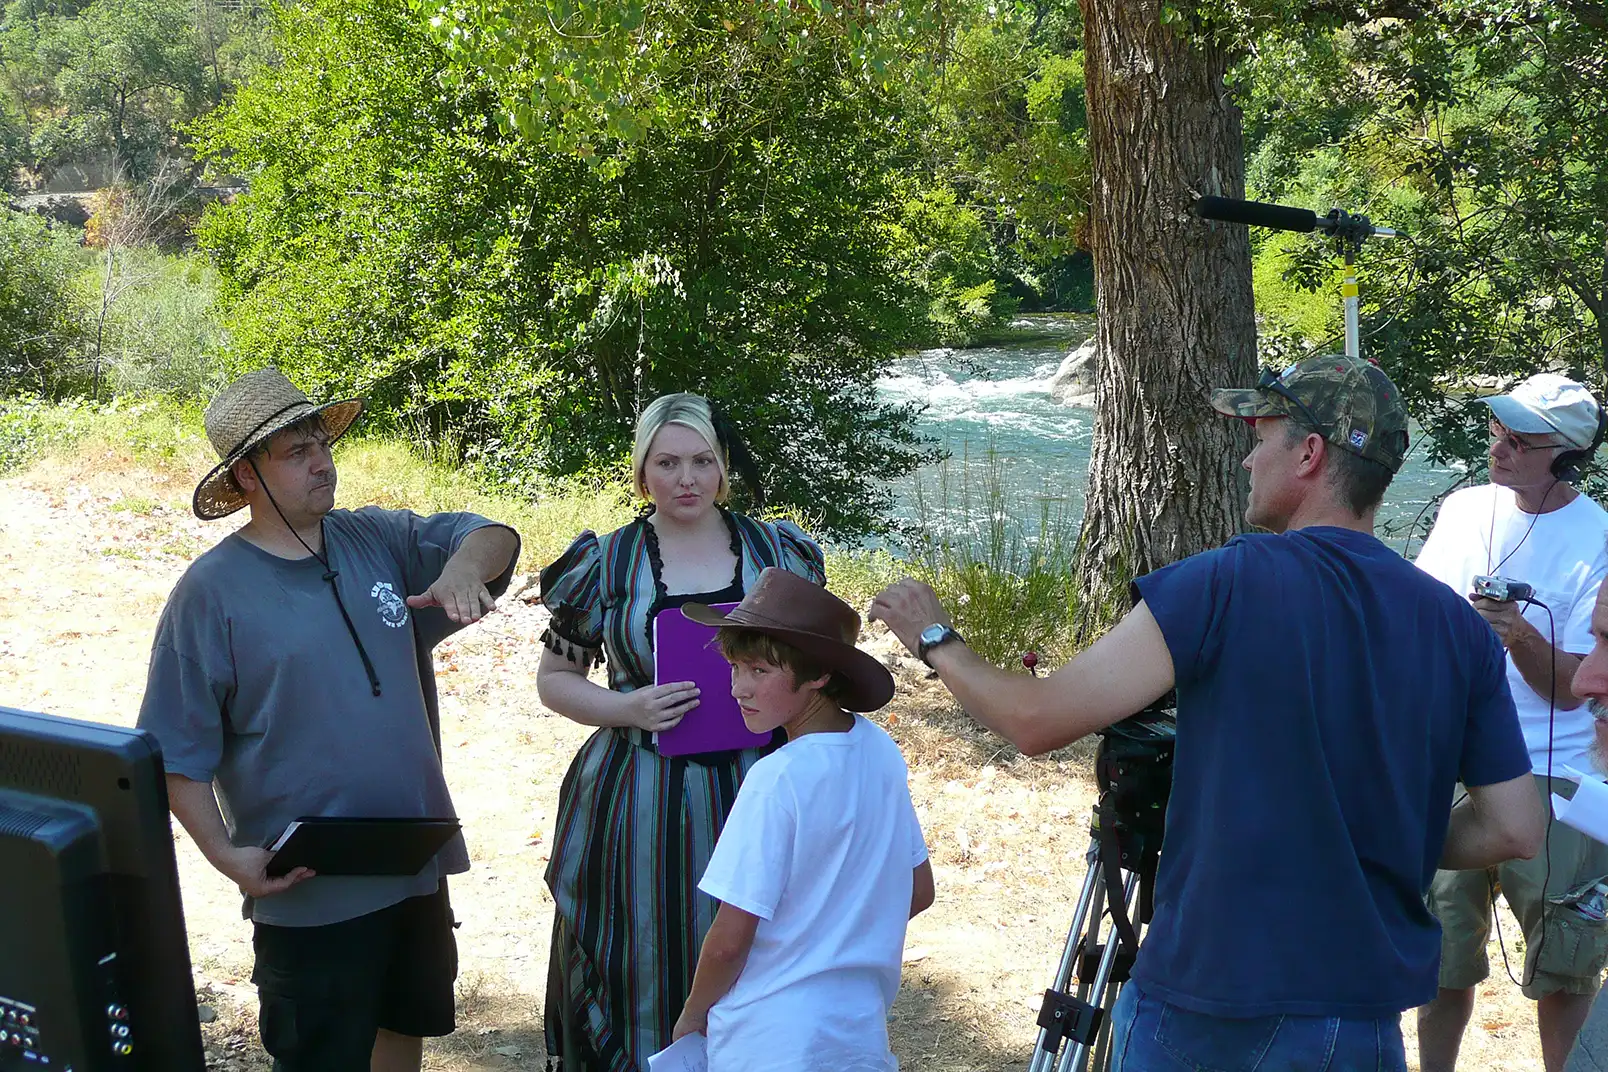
256 686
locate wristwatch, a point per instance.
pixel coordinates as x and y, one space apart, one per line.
934 635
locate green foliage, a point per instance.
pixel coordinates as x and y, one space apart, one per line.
40 311
1008 583
948 257
122 74
480 287
1009 123
13 144
577 75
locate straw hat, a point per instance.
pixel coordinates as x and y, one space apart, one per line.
250 411
814 621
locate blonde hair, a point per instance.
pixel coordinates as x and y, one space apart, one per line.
690 411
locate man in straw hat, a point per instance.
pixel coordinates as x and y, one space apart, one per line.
821 862
291 676
1329 697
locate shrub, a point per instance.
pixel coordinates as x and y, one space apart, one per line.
40 313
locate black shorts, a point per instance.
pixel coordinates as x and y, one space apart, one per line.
324 992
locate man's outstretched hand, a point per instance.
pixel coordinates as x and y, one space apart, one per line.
907 607
460 592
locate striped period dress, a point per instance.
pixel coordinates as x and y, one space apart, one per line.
635 829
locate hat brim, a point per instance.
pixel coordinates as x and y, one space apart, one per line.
870 683
215 497
1517 417
1246 403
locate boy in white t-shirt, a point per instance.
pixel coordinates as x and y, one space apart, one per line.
821 863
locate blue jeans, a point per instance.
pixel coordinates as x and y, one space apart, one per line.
1149 1035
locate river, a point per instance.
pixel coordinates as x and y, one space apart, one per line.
998 397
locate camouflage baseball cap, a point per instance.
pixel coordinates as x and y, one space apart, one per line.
1350 401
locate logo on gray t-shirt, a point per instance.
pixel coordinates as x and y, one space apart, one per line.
393 611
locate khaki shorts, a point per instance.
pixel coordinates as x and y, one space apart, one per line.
1571 952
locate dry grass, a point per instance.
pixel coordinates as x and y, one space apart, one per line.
90 545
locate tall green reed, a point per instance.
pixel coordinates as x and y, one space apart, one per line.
1000 561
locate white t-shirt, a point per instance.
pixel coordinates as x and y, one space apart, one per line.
820 846
1564 557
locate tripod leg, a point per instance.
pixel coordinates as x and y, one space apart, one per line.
1075 1056
1048 1043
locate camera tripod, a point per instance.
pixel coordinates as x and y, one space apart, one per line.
1134 772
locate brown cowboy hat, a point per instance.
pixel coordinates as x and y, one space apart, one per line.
813 620
252 410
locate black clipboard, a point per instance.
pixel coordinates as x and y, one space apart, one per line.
345 846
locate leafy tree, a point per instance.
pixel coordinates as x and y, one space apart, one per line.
400 237
125 71
118 77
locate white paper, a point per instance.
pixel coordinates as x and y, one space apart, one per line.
289 830
1588 811
689 1053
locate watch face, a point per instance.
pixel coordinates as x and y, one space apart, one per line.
932 634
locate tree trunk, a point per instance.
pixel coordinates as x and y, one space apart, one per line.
1175 308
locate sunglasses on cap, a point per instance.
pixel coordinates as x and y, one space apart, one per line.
1271 381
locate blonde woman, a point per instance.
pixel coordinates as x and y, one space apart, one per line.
635 828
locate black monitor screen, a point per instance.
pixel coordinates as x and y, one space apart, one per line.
94 964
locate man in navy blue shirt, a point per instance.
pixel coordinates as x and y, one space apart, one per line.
1330 698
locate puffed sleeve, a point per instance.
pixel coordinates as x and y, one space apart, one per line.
572 588
800 554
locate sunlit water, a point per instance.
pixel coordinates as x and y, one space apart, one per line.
999 397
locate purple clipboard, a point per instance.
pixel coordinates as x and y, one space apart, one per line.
683 650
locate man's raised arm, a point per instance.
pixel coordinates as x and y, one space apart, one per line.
1117 676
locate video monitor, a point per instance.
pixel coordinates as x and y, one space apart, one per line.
94 964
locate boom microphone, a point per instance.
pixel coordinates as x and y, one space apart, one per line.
1257 214
1338 223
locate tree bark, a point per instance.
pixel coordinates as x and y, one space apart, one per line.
1174 300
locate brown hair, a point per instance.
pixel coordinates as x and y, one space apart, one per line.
312 424
1360 482
736 643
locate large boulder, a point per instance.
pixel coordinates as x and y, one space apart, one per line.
1073 384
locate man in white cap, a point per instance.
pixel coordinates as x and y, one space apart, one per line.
291 676
1530 525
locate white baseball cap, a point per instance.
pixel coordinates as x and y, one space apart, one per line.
1548 404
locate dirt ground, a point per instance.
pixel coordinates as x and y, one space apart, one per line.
88 553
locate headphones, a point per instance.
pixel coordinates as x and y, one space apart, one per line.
1566 466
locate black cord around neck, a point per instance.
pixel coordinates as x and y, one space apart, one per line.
330 574
1490 538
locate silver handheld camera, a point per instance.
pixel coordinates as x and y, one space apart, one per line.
1503 590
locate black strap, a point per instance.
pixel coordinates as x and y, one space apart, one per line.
330 574
368 664
1111 866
